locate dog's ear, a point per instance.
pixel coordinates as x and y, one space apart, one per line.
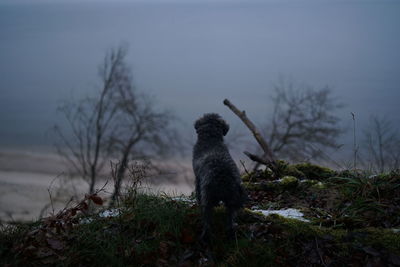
225 127
197 125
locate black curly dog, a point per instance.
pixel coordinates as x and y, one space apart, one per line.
217 176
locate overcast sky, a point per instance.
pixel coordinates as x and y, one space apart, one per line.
191 55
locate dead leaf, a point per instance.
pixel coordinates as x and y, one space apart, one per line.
186 236
84 206
73 212
96 199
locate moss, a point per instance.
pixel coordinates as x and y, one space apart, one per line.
277 186
281 164
267 174
291 170
294 226
300 171
375 237
258 175
344 240
289 182
253 186
270 186
285 169
351 173
318 186
246 177
382 238
309 183
312 171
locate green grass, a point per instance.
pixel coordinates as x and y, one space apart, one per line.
347 214
11 235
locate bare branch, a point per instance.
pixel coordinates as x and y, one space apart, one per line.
382 145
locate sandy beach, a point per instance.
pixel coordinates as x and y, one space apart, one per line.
26 178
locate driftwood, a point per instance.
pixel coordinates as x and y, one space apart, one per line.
256 158
268 158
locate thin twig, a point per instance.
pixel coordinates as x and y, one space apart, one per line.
244 167
50 195
355 148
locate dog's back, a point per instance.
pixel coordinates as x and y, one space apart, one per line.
218 175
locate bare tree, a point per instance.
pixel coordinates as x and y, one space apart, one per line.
119 123
143 132
91 122
382 145
303 121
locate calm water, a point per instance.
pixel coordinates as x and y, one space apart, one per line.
192 56
189 57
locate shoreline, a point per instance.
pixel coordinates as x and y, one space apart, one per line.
26 176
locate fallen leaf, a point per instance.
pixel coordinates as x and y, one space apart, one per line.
186 236
73 212
84 206
96 199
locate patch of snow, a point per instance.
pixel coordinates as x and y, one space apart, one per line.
184 199
110 213
287 213
104 214
85 220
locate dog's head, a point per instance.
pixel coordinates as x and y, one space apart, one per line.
211 124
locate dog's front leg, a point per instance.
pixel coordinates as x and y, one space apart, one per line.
231 215
207 212
198 191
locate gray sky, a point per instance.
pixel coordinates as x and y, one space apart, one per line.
192 55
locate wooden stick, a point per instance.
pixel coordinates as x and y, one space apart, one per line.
270 159
256 158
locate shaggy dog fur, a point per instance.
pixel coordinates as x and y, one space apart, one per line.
217 176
